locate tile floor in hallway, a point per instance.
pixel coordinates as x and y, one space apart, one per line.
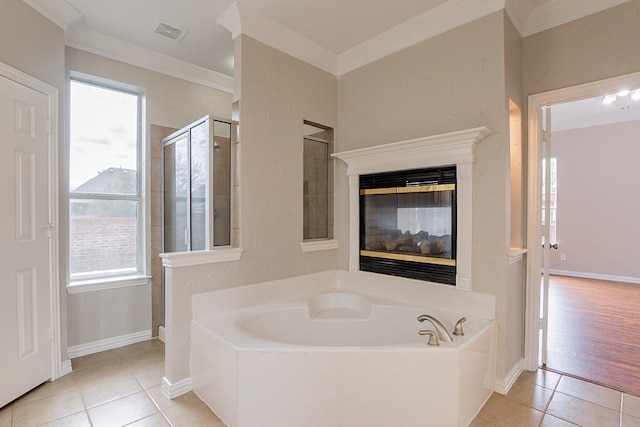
122 387
110 389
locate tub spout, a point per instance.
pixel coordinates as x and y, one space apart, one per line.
457 330
442 331
433 338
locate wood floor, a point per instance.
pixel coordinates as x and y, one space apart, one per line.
594 331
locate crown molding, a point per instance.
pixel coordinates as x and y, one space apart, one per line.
100 44
230 20
557 12
240 19
445 17
519 11
60 12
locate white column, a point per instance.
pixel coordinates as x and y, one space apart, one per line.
464 175
354 222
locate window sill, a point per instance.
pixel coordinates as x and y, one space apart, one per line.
185 259
516 254
94 285
318 245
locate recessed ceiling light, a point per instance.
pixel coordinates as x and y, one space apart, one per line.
635 95
623 92
608 99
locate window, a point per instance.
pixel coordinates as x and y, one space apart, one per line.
318 182
105 212
553 199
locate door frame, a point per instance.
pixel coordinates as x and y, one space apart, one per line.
534 255
58 366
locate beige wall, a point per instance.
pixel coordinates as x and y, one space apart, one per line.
593 48
34 45
279 92
170 104
451 82
514 315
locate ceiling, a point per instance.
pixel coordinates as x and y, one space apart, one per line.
335 35
337 26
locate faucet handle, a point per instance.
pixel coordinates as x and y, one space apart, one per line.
433 338
457 330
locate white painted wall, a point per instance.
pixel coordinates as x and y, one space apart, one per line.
598 201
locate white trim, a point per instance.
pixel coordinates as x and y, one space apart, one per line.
241 19
106 284
185 259
318 245
108 344
503 385
54 256
161 333
519 11
536 101
65 368
177 389
451 14
516 254
60 12
607 277
454 148
109 47
436 150
557 12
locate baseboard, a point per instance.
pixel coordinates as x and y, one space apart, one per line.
176 389
503 385
107 344
608 277
161 333
65 367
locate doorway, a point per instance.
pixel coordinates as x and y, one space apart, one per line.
537 303
30 310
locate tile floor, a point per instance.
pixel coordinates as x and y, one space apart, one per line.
121 387
547 399
110 389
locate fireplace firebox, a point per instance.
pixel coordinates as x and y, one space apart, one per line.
408 224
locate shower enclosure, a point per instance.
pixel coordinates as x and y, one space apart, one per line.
197 186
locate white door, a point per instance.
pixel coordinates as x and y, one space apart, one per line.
25 300
545 183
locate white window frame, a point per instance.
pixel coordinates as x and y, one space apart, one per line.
86 282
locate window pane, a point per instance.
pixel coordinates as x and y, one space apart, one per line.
103 140
199 185
222 183
102 236
176 180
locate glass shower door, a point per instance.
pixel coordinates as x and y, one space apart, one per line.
176 191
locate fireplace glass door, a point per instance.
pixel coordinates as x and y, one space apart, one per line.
407 224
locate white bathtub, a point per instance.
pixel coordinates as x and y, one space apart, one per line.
320 351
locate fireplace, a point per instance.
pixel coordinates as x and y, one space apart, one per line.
451 156
408 224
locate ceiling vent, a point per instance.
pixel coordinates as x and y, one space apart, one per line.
170 31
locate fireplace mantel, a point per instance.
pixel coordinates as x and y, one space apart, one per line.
454 148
